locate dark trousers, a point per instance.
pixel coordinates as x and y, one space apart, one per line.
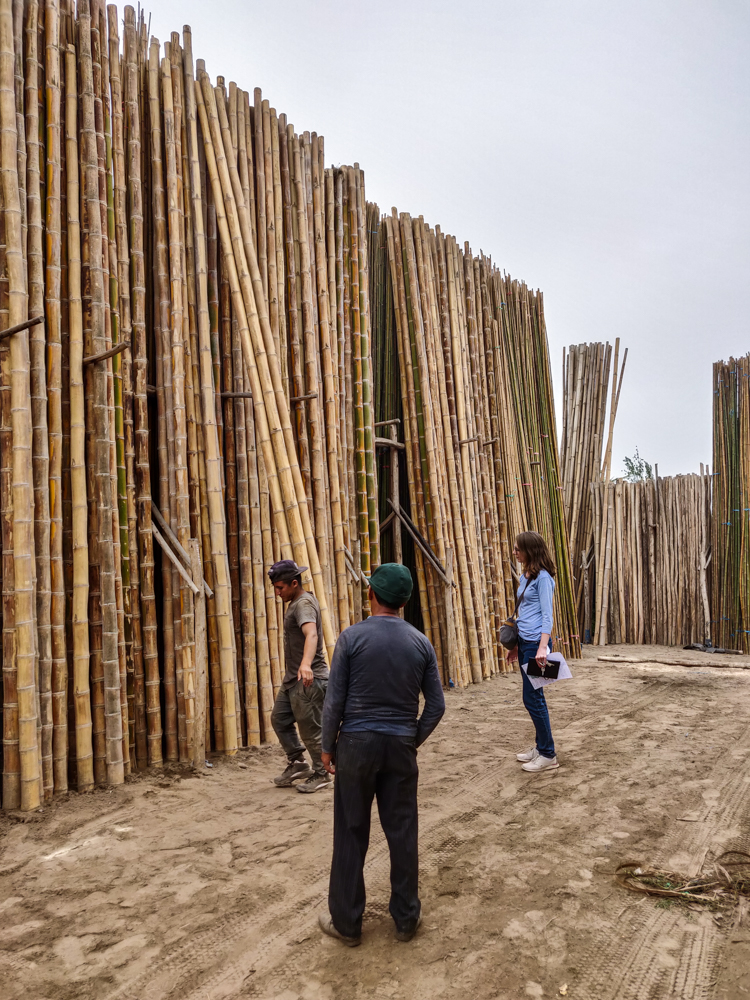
303 706
385 767
534 700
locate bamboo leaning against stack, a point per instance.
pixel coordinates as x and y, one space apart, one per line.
730 525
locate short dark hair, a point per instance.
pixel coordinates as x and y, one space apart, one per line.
385 604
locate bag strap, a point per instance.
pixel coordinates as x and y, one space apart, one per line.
519 599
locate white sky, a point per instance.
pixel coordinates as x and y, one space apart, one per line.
598 150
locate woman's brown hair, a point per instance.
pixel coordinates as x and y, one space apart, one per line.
538 557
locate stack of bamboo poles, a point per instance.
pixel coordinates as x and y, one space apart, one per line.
213 355
585 458
188 399
654 554
527 463
730 527
471 395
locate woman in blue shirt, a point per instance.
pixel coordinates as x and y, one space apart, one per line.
534 617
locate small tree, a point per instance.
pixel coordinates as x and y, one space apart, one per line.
637 468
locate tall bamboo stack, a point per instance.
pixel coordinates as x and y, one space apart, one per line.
471 397
213 355
730 527
194 403
639 549
586 458
654 587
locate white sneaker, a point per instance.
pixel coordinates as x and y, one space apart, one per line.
531 754
540 763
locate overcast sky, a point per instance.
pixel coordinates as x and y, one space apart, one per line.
598 150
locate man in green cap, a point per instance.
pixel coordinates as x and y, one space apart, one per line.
371 731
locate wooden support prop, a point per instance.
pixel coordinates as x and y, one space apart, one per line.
387 423
236 395
301 399
201 657
387 443
107 354
389 520
21 326
174 542
409 525
357 575
174 560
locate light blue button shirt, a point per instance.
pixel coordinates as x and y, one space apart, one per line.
535 610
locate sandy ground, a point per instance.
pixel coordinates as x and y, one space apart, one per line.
208 886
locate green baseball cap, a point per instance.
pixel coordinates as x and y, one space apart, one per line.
392 583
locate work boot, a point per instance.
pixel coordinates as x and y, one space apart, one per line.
408 935
527 755
294 771
540 763
315 782
325 922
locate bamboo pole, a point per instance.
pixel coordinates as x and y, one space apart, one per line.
80 626
140 399
95 329
182 497
53 274
222 593
23 501
38 383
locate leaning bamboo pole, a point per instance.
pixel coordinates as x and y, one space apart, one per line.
222 593
259 348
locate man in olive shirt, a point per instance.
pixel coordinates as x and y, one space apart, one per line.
299 702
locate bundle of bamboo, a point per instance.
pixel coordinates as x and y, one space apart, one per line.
214 282
730 530
472 391
585 459
190 306
655 557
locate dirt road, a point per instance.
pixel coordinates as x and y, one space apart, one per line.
208 887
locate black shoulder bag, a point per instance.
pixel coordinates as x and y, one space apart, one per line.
509 628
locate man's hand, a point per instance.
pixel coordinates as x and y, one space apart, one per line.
329 762
305 675
512 655
541 656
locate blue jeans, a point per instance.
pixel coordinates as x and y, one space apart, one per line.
534 700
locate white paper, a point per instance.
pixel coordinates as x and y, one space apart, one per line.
563 674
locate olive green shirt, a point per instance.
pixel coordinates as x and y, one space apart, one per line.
301 610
